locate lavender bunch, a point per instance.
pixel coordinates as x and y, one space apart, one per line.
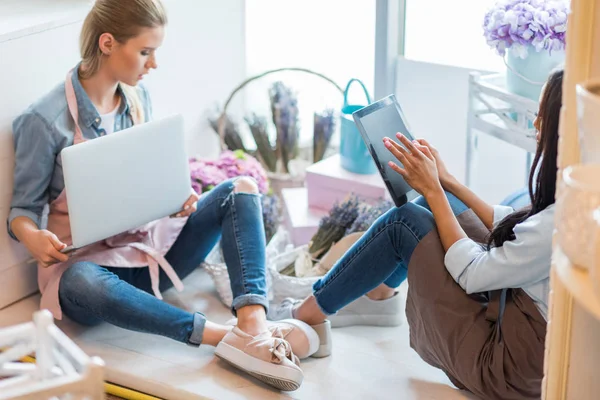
520 24
232 137
270 212
258 128
324 126
368 214
333 226
284 108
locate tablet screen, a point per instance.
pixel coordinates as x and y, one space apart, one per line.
383 121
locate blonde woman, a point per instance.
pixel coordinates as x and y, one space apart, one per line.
119 280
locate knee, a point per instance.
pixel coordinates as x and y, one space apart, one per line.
406 212
409 215
245 184
79 280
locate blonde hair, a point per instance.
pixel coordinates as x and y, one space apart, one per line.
123 20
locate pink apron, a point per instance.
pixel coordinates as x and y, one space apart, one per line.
142 247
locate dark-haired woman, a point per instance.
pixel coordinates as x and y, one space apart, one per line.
478 275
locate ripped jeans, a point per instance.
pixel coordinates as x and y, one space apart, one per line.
90 294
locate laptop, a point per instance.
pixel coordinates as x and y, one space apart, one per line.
124 180
374 122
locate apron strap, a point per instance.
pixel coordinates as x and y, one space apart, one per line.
72 104
155 259
495 309
74 108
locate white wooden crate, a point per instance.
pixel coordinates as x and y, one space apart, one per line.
61 369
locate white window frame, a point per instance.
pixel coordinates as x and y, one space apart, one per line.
390 29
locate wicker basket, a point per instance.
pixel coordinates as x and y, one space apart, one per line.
280 180
280 253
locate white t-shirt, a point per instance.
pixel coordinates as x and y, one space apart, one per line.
523 262
108 120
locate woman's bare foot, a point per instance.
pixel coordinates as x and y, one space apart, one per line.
252 319
214 333
309 312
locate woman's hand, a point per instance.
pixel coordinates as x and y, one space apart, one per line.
420 169
189 207
45 247
445 177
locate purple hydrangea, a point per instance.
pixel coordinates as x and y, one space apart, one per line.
206 174
521 24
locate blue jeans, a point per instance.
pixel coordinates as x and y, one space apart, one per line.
381 255
90 294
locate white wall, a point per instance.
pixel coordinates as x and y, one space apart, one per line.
202 59
435 100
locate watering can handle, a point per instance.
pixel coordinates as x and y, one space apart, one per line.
348 88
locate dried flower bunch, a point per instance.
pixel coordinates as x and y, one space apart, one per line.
353 215
276 151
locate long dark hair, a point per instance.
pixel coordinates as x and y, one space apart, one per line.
542 181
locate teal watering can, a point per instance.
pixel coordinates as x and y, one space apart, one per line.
353 152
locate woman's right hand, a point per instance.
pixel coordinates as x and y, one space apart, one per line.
45 247
445 177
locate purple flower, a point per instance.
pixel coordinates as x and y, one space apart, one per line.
368 214
270 210
284 109
522 24
206 174
323 129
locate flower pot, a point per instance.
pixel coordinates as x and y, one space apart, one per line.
526 76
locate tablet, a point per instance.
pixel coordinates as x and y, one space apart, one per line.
376 121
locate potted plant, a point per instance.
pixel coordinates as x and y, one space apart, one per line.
531 34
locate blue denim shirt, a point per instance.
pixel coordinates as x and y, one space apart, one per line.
40 134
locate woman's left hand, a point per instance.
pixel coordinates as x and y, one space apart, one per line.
189 207
420 170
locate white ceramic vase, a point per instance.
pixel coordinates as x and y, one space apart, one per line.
580 197
588 117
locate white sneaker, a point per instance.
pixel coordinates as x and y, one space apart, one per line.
302 337
267 357
283 312
323 331
364 311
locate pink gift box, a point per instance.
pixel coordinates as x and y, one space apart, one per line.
300 221
327 182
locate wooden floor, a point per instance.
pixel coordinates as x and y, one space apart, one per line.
367 362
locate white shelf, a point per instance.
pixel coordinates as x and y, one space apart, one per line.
20 18
578 282
496 112
494 85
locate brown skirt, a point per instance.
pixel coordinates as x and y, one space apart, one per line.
491 344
